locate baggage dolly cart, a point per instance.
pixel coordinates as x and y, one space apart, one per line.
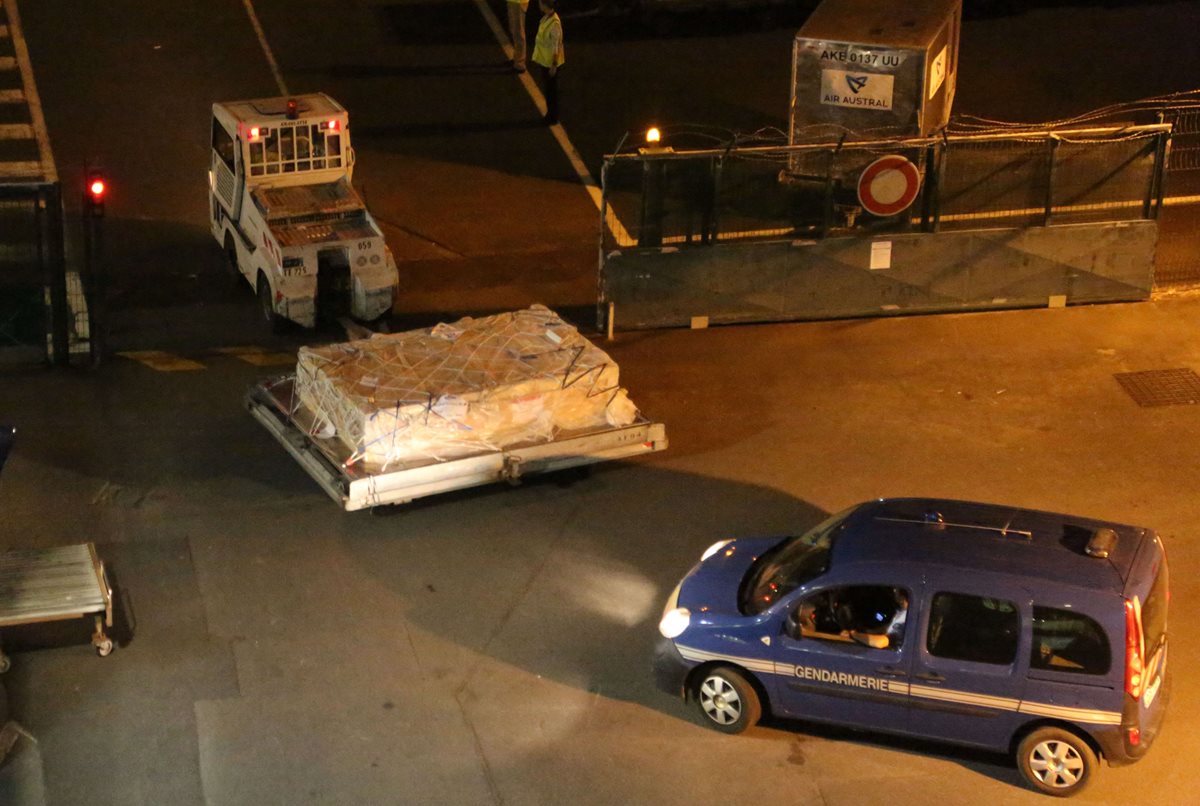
275 406
55 584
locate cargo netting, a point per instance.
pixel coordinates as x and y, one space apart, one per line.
475 385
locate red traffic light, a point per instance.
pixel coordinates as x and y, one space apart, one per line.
94 192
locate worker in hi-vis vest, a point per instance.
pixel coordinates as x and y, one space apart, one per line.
548 55
516 31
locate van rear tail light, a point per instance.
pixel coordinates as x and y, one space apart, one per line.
1135 682
1135 737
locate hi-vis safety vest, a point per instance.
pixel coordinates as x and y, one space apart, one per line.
548 47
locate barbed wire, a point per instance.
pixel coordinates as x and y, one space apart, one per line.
713 136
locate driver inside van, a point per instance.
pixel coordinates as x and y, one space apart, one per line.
870 615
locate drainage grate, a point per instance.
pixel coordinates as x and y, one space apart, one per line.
1161 387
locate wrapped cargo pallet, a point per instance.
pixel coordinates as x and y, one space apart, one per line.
478 384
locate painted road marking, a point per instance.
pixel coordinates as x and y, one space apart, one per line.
162 361
11 97
17 170
262 40
258 356
29 90
16 131
620 234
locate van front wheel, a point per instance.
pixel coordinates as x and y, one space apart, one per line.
727 701
1056 762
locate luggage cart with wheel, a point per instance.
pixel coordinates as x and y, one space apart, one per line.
56 584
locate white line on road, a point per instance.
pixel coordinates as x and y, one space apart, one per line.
262 40
29 89
560 134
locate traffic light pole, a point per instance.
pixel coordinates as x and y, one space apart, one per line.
94 279
50 250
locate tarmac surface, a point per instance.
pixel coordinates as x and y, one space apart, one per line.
493 646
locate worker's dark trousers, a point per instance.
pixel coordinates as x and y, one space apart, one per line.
550 90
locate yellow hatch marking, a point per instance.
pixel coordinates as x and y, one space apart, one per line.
162 361
258 356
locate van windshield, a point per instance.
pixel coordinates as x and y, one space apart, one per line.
789 565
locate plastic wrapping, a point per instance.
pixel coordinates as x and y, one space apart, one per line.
459 388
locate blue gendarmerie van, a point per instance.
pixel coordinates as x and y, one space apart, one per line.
1030 633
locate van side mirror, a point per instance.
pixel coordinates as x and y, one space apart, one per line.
791 626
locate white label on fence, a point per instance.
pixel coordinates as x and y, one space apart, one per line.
881 254
860 90
937 73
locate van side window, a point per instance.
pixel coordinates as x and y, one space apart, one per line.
222 143
973 628
873 615
1065 641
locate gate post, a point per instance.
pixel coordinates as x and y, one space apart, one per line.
1051 159
54 267
650 229
1152 205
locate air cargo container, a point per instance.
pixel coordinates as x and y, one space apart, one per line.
871 68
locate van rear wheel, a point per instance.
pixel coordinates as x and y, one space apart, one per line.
1055 761
727 701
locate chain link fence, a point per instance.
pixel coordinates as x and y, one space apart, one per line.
35 305
43 310
663 198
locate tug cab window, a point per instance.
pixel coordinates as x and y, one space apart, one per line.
289 149
222 144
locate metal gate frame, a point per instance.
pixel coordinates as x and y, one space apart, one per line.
1090 229
29 176
49 265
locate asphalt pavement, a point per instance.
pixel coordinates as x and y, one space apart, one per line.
493 646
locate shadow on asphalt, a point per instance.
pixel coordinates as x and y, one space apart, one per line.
638 529
994 765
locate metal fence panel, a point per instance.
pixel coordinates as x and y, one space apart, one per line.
780 232
1104 180
683 199
22 309
997 183
1185 142
839 277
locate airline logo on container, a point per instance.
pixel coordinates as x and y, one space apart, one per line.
858 90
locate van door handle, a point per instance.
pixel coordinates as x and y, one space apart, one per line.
932 677
891 671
